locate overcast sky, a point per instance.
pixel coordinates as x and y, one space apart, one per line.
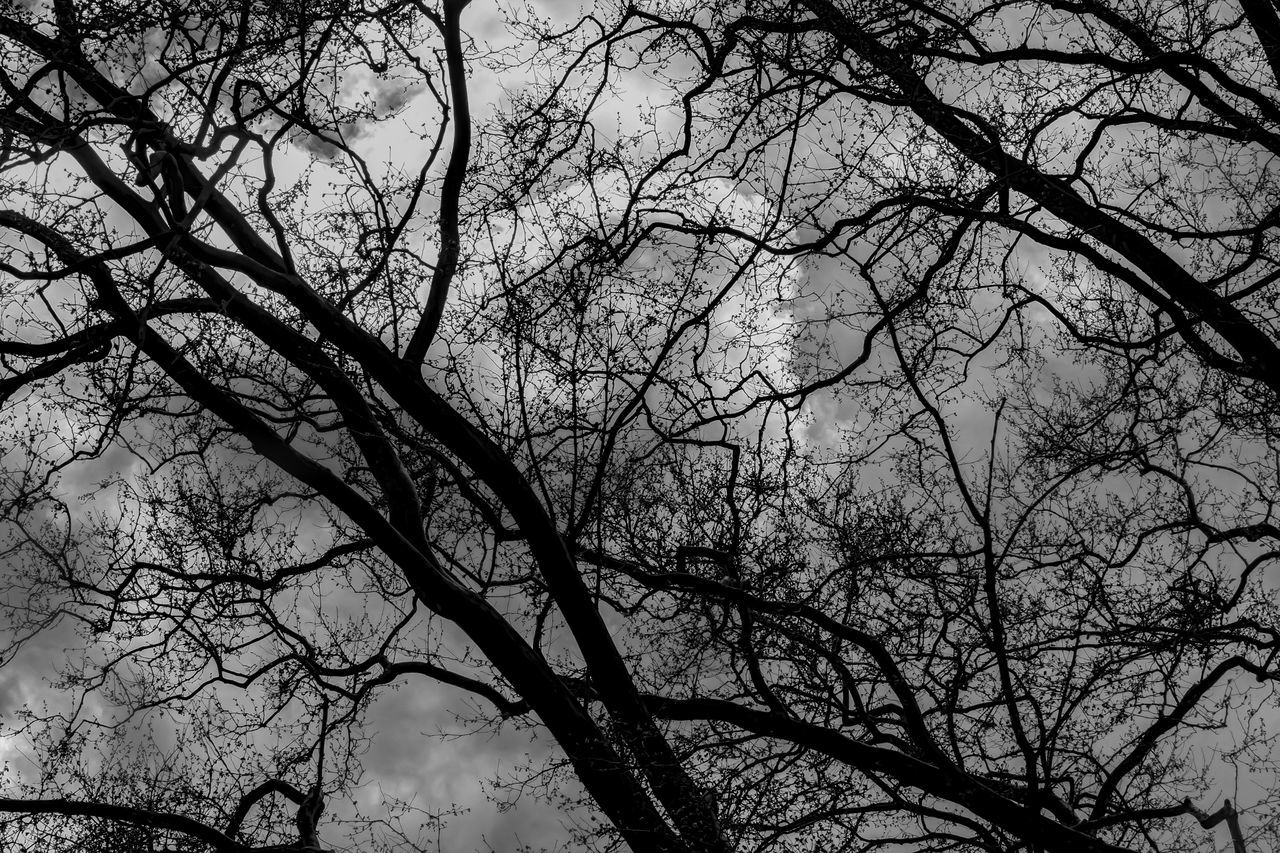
420 751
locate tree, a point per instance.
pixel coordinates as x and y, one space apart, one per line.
838 426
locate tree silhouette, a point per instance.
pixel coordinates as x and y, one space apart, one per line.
837 426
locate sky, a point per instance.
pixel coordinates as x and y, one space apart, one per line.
420 751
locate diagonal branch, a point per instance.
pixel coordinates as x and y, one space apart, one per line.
946 783
1259 354
126 814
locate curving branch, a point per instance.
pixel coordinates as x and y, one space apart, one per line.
446 267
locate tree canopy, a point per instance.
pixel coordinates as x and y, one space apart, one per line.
834 426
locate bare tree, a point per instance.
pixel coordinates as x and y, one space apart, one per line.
838 426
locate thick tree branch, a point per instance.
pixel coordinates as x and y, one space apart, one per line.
1259 354
450 189
127 814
